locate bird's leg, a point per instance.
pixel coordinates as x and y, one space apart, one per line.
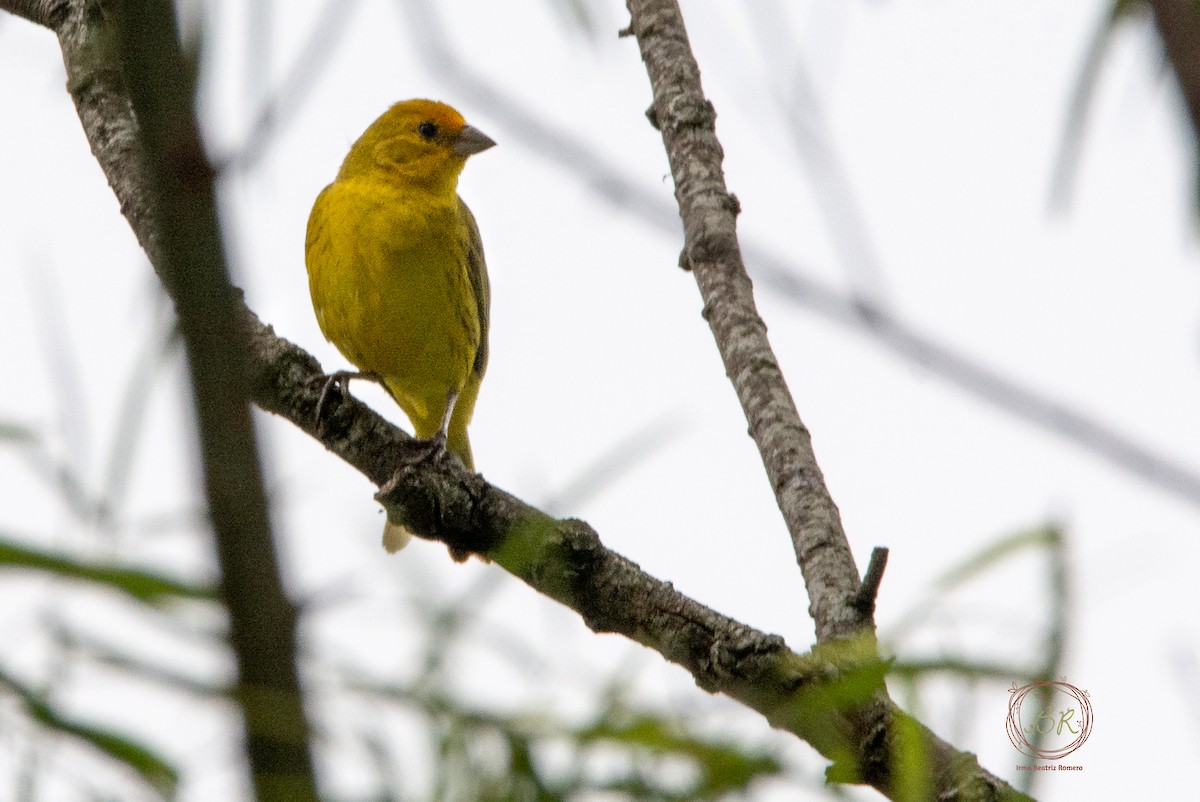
444 430
396 534
435 446
339 380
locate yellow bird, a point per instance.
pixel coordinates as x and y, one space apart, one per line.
396 270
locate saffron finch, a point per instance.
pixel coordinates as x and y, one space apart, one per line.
396 271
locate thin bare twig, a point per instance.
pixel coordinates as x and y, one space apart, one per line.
285 100
709 212
869 591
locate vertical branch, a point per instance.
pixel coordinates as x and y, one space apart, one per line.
687 122
189 260
1178 25
155 164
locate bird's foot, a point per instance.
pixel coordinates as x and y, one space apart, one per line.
432 450
337 382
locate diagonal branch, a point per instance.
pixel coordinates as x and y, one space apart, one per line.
709 212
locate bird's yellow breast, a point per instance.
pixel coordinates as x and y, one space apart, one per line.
390 286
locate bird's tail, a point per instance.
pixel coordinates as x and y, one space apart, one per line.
395 537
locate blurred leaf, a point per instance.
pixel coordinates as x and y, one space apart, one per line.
142 669
140 584
156 352
723 766
1048 536
464 741
960 668
1071 145
16 433
616 463
911 777
382 762
578 16
154 769
912 674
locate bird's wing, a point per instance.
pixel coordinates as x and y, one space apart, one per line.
477 271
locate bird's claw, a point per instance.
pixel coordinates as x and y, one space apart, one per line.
431 450
338 381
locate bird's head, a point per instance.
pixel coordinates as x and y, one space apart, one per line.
417 141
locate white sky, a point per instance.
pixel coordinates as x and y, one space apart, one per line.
945 119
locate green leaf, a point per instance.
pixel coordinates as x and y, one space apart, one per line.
1048 537
1071 145
723 767
153 768
142 585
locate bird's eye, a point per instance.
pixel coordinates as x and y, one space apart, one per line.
427 130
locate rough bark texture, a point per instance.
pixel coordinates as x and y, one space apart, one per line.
42 12
832 697
709 212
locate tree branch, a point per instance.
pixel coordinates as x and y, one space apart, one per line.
805 694
1178 25
49 13
125 67
709 212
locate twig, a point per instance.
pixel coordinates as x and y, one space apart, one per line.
286 99
864 600
687 122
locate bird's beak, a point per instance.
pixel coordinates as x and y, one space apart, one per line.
471 141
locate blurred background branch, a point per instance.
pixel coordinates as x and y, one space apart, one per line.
188 259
